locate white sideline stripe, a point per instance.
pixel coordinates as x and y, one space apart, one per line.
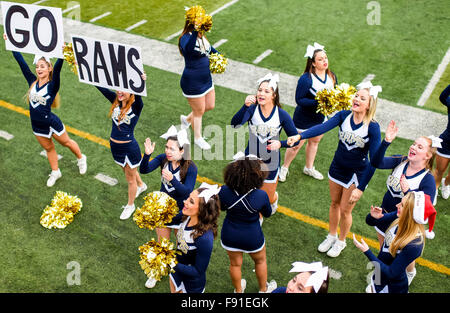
220 42
71 8
6 135
44 154
226 5
262 56
434 80
39 2
135 25
99 17
106 179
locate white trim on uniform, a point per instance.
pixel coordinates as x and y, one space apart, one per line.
346 186
52 131
447 156
201 95
127 161
240 250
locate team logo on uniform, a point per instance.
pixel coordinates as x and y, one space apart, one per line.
264 132
394 183
126 119
182 244
37 100
352 140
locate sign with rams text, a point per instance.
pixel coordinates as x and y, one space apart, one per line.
33 29
110 65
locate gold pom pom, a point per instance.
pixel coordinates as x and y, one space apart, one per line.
217 63
344 96
196 16
158 259
326 105
158 209
61 211
334 100
69 56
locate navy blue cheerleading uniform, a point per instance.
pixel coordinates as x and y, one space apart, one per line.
392 275
445 136
241 230
423 180
196 80
350 163
177 188
280 290
190 271
261 130
305 115
43 121
129 152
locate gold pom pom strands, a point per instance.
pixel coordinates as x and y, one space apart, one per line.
217 63
157 259
334 100
158 209
197 16
69 56
61 211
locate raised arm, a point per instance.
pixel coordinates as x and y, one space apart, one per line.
27 73
54 84
187 42
110 95
320 129
243 115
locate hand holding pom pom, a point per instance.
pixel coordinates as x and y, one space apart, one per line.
217 63
158 209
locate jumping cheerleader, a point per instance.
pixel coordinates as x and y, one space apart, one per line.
350 170
178 175
265 120
43 95
317 76
403 243
243 200
196 81
195 240
443 153
125 111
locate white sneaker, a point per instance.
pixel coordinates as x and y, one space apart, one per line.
54 176
369 288
270 287
261 220
141 189
274 205
150 283
410 276
327 243
284 171
127 211
243 285
313 173
82 164
202 143
336 248
184 122
445 189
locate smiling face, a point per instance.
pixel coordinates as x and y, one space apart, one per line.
361 101
297 284
123 96
173 151
400 206
43 69
320 61
419 151
191 204
265 94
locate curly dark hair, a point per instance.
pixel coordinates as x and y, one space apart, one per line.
208 216
244 175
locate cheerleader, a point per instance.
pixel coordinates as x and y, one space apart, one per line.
125 111
317 76
243 200
195 240
312 278
350 170
266 119
404 241
196 81
443 153
43 95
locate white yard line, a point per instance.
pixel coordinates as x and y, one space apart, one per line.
262 56
70 9
106 179
6 135
226 5
434 80
135 25
219 43
99 17
39 2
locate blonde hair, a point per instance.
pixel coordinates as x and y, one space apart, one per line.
370 114
432 150
57 100
408 229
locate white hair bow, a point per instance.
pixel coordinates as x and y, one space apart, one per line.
435 141
373 90
317 278
241 156
210 190
273 80
38 57
181 135
310 50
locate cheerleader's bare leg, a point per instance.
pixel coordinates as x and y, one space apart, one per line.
49 146
441 165
210 100
198 109
335 206
346 209
236 258
260 268
291 153
130 175
311 150
163 233
65 141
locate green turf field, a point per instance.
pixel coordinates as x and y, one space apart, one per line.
34 259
